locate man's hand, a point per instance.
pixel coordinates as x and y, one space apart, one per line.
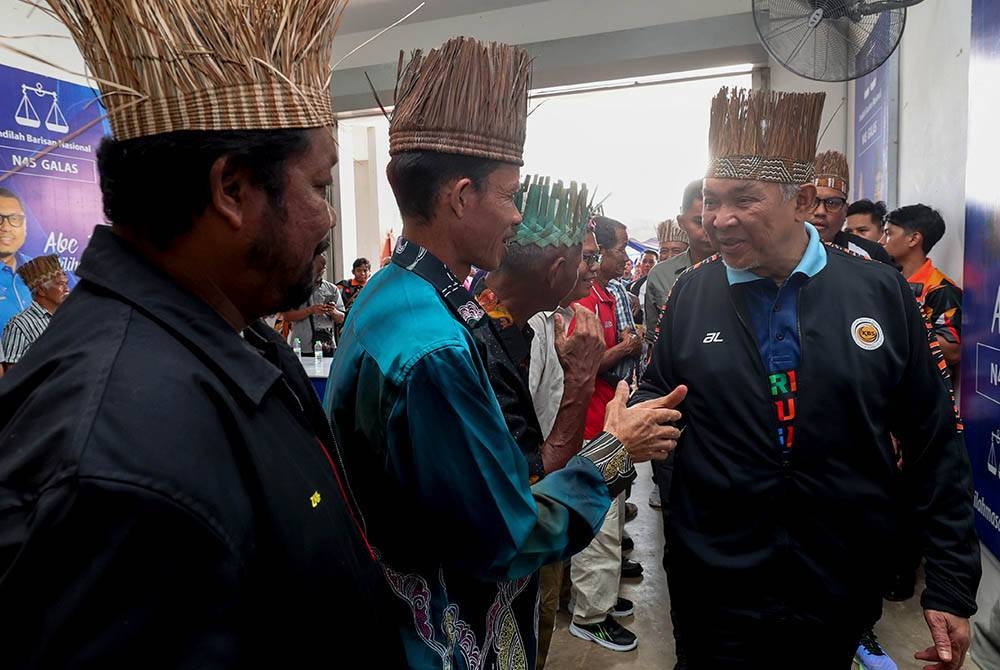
580 353
631 343
645 429
951 640
633 302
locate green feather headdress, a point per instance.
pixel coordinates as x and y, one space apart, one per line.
554 216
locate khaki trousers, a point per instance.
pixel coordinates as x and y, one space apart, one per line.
596 571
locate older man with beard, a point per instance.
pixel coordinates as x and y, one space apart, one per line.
171 493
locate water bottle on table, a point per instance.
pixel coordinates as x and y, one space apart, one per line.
317 351
297 347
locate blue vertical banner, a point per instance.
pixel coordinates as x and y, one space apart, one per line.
981 300
876 121
59 190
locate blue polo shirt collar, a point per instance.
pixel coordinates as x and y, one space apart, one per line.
812 261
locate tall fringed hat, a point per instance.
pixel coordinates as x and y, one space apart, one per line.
832 172
764 135
553 215
466 97
168 65
39 270
669 231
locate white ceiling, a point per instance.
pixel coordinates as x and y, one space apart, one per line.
365 15
513 21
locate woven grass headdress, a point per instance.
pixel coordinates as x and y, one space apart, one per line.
669 231
39 270
554 216
832 171
764 136
168 65
466 97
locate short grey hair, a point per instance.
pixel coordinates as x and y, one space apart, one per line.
789 191
524 259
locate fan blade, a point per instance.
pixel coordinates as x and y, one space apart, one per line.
802 42
879 6
787 29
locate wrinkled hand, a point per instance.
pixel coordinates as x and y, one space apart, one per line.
951 640
645 429
580 353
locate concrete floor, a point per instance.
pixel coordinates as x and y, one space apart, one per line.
902 629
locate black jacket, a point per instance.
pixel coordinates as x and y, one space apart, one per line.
164 497
854 243
809 539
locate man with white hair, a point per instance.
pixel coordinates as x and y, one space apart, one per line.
49 287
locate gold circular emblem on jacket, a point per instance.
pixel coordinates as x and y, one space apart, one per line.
867 333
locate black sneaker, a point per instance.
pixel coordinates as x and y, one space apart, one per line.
627 544
631 569
901 588
609 634
623 608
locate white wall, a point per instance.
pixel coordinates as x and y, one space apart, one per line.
934 115
835 111
19 19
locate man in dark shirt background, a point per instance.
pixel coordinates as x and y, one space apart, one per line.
832 182
866 219
910 235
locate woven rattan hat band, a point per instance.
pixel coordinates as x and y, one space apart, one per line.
36 272
259 106
456 142
831 181
759 168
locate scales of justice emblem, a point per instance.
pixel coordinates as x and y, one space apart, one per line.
991 459
28 117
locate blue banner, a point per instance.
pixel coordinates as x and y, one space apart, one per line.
875 137
58 190
981 301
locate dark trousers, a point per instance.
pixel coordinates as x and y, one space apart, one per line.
663 474
746 643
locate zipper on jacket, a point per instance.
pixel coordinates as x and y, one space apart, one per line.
785 465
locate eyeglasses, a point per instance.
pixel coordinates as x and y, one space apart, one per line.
593 259
831 204
15 220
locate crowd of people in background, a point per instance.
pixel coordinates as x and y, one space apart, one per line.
171 484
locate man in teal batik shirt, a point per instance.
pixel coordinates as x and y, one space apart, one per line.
442 485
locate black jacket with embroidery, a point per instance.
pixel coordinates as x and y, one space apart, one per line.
810 538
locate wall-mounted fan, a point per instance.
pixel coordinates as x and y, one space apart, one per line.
831 40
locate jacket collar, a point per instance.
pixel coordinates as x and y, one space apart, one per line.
414 258
110 263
